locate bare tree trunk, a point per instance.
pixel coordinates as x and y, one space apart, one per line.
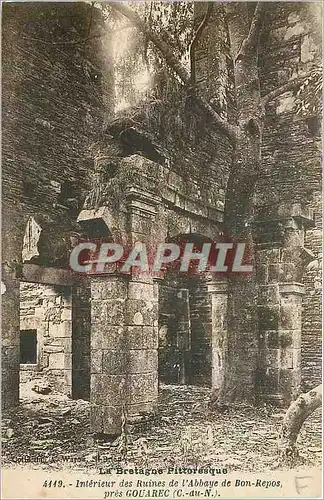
295 416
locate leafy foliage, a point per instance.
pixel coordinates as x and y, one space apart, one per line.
310 94
174 21
138 64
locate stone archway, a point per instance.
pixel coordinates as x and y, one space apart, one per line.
192 324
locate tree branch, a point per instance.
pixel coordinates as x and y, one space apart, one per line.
294 418
176 66
163 47
291 85
251 42
230 130
198 33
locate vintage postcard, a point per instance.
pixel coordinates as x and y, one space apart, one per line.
161 250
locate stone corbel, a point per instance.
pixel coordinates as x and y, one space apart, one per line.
299 256
304 216
293 288
284 226
142 201
217 287
114 226
31 238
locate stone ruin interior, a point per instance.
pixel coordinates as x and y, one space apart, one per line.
77 165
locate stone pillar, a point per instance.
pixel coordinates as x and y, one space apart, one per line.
10 328
141 313
141 344
281 259
124 358
108 349
13 227
124 341
124 309
81 330
219 295
280 341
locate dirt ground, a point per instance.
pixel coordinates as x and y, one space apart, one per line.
53 431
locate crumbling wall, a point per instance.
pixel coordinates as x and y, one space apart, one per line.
312 308
55 83
58 94
48 309
291 43
166 125
57 89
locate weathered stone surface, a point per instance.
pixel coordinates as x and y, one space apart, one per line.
142 361
289 383
96 418
143 291
10 357
272 339
193 201
107 312
124 357
67 345
218 293
96 360
142 387
81 331
108 288
290 317
272 358
47 309
56 361
113 362
48 349
141 337
68 363
111 420
63 329
292 176
268 317
31 239
107 337
269 293
107 389
140 312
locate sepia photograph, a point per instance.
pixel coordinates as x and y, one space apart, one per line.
161 230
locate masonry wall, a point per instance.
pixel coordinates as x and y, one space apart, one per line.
48 309
81 341
290 43
312 310
61 146
56 91
52 105
291 151
167 127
